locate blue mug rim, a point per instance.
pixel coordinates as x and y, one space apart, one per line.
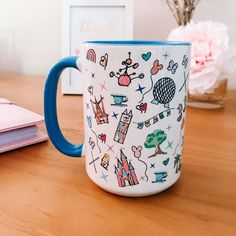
138 42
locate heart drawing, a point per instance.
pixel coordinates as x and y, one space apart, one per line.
166 161
146 56
142 107
102 137
103 61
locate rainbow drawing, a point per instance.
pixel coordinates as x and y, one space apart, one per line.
91 55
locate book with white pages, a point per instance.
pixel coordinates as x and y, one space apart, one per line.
18 126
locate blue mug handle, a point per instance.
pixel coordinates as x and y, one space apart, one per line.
50 108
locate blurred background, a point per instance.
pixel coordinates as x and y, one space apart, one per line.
31 31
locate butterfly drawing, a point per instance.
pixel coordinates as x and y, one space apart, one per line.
185 61
172 66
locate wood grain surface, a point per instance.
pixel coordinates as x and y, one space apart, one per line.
43 192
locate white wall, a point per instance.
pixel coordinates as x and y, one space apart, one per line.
153 19
30 30
30 35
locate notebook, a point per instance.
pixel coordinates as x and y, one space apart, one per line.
18 126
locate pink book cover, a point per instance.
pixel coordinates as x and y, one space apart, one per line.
13 117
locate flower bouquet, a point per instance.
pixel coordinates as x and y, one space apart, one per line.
211 59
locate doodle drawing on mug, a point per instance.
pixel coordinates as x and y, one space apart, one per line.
166 161
90 90
110 148
172 67
142 107
123 76
119 100
137 151
89 121
154 70
105 161
156 67
177 163
140 89
103 61
170 144
180 109
185 61
123 126
166 55
90 124
160 176
169 127
91 143
92 76
152 165
93 162
154 140
125 172
185 81
102 137
146 56
91 55
164 91
154 119
99 111
103 86
115 115
104 176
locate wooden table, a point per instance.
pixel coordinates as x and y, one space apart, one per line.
43 192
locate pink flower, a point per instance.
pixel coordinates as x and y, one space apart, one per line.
210 41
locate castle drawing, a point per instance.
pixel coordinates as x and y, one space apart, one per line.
125 172
122 127
98 108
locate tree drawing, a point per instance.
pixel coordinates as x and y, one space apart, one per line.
154 140
177 163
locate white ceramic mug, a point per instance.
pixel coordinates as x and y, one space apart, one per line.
134 112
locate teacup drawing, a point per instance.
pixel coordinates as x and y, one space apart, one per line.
160 176
119 100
